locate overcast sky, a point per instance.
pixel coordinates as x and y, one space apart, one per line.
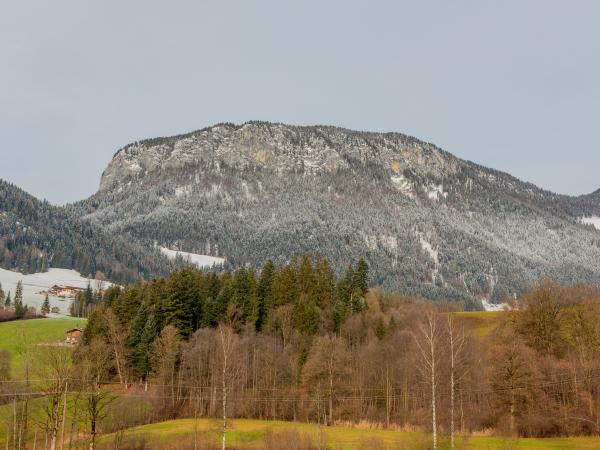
512 85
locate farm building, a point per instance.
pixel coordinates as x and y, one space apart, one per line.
64 291
74 335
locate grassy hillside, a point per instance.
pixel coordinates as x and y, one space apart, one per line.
19 335
481 323
255 434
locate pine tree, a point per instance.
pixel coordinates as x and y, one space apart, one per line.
285 288
88 295
151 331
306 315
344 297
216 305
361 277
2 296
306 277
46 306
324 283
179 307
380 330
8 301
264 294
144 330
137 325
19 292
244 300
20 309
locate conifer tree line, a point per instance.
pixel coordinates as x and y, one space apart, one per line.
304 292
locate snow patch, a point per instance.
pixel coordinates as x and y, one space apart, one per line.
389 243
371 241
41 281
435 192
134 166
592 220
403 185
246 190
183 191
193 258
487 306
432 252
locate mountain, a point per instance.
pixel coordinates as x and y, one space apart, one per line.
35 235
427 222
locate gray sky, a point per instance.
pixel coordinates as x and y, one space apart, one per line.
509 84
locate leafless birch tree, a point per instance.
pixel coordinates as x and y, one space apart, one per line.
427 341
456 344
227 340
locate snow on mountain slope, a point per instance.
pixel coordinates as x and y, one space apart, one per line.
36 282
194 258
593 220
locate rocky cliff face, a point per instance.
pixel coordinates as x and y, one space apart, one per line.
278 148
429 223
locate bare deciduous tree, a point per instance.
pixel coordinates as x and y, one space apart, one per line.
427 343
227 340
93 366
117 336
327 363
165 360
55 368
456 344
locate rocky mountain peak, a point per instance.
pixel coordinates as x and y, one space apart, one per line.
279 148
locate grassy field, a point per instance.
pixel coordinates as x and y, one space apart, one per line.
480 322
19 335
252 434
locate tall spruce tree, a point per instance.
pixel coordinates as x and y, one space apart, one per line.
265 285
361 277
19 292
46 306
137 325
324 283
20 309
144 347
343 298
88 295
243 305
216 305
285 287
179 307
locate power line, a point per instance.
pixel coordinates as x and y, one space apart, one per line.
301 390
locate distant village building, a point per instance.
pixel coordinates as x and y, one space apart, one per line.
74 335
64 291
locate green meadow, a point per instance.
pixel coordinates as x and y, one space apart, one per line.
19 336
253 434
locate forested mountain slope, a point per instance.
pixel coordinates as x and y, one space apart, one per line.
427 222
35 235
